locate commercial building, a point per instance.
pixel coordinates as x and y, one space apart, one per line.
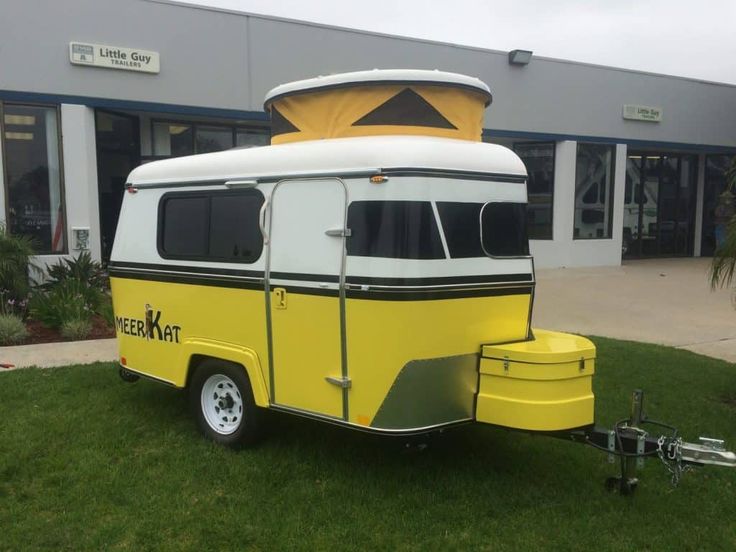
621 163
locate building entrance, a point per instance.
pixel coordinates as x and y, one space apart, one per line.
118 153
659 204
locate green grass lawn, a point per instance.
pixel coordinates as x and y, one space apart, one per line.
90 462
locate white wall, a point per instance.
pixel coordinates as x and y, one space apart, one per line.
80 174
563 250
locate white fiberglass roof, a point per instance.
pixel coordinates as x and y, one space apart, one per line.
380 76
337 156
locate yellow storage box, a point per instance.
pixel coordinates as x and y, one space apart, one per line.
539 385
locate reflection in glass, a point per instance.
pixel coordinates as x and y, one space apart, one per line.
539 160
251 138
32 165
173 139
211 139
659 203
594 191
715 185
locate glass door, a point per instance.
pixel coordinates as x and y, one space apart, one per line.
118 153
659 204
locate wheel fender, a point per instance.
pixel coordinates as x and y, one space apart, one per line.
238 354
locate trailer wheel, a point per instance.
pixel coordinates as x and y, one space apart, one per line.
222 401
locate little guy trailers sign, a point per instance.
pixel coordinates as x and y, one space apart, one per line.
113 57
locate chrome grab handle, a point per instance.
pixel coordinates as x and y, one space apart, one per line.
262 221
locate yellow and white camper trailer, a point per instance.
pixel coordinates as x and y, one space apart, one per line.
370 268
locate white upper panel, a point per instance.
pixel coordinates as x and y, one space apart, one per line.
338 156
382 76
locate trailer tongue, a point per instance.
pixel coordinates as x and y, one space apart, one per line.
632 444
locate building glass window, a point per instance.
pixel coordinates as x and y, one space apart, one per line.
594 176
211 139
540 165
174 139
35 205
715 184
251 138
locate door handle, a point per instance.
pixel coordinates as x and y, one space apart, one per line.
279 298
262 221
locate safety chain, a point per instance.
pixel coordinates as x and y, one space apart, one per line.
671 457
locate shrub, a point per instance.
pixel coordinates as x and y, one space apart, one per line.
82 269
12 329
66 301
105 310
15 264
75 329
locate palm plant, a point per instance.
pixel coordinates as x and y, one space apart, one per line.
723 268
15 264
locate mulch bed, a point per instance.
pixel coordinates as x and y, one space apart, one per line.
38 333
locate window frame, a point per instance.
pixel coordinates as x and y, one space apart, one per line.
208 194
610 192
4 173
480 236
552 195
234 128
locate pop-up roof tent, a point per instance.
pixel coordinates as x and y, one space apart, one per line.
370 103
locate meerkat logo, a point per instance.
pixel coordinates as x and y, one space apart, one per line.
151 328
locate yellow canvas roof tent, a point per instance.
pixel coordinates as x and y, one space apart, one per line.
378 102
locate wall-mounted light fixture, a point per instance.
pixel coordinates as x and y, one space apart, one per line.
520 57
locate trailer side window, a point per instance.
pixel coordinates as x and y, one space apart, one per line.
393 229
461 224
503 229
184 229
211 226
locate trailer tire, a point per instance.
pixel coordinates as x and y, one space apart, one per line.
222 402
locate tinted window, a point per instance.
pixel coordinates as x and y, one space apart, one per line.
212 226
393 229
461 224
185 222
234 231
503 229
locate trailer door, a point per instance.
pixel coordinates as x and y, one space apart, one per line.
305 296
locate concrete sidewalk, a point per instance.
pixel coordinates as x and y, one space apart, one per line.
665 301
47 355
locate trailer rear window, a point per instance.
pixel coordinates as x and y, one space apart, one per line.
393 229
211 226
477 229
503 229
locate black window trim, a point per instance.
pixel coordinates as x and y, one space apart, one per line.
480 236
208 194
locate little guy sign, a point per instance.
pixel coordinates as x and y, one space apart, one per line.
113 57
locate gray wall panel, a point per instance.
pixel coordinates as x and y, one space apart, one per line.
203 60
547 96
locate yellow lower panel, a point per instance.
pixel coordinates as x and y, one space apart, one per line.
384 335
306 349
184 313
534 415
